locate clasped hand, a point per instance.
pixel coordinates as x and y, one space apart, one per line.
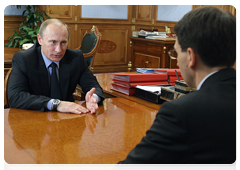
72 107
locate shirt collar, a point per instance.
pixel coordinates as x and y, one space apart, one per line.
47 61
203 80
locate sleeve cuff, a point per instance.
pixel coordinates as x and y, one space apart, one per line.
97 97
49 104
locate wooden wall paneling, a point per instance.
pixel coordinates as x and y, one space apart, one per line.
113 52
143 17
65 13
72 37
144 13
113 46
11 22
8 30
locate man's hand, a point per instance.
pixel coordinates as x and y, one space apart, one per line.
91 101
71 107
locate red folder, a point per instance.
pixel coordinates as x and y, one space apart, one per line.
168 71
139 77
127 91
131 85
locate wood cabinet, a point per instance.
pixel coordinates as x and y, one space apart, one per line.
151 53
116 50
144 14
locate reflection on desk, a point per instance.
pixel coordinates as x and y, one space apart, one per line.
63 138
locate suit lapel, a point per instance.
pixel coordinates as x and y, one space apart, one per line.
64 76
43 74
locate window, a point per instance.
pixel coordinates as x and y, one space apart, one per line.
172 12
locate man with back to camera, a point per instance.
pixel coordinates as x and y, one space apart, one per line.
32 71
200 127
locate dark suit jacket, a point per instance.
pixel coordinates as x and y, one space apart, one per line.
29 88
198 128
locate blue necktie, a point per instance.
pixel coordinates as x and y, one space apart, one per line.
54 84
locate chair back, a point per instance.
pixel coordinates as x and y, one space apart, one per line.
90 44
6 101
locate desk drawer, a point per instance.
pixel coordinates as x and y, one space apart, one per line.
148 50
146 61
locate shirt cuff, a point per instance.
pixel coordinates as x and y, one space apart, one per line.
49 104
97 97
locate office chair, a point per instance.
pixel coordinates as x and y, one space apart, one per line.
89 46
6 101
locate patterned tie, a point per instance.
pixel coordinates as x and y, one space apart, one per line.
54 84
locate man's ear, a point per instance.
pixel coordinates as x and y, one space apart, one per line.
39 39
192 58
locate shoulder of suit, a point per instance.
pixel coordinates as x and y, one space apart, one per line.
30 53
74 51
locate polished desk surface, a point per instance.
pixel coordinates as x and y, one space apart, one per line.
105 80
63 138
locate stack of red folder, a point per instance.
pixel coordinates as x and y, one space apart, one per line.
126 82
172 76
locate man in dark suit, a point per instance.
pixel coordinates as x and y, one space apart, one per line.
32 72
200 127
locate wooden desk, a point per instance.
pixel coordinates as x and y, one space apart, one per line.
148 53
105 80
32 137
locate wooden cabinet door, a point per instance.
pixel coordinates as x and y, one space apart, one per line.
144 14
62 12
173 64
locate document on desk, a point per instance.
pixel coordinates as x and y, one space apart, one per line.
150 93
156 37
152 89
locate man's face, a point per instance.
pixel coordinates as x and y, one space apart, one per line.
54 42
183 64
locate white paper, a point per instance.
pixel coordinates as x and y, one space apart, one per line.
150 88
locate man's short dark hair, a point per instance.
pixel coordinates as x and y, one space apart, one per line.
211 32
